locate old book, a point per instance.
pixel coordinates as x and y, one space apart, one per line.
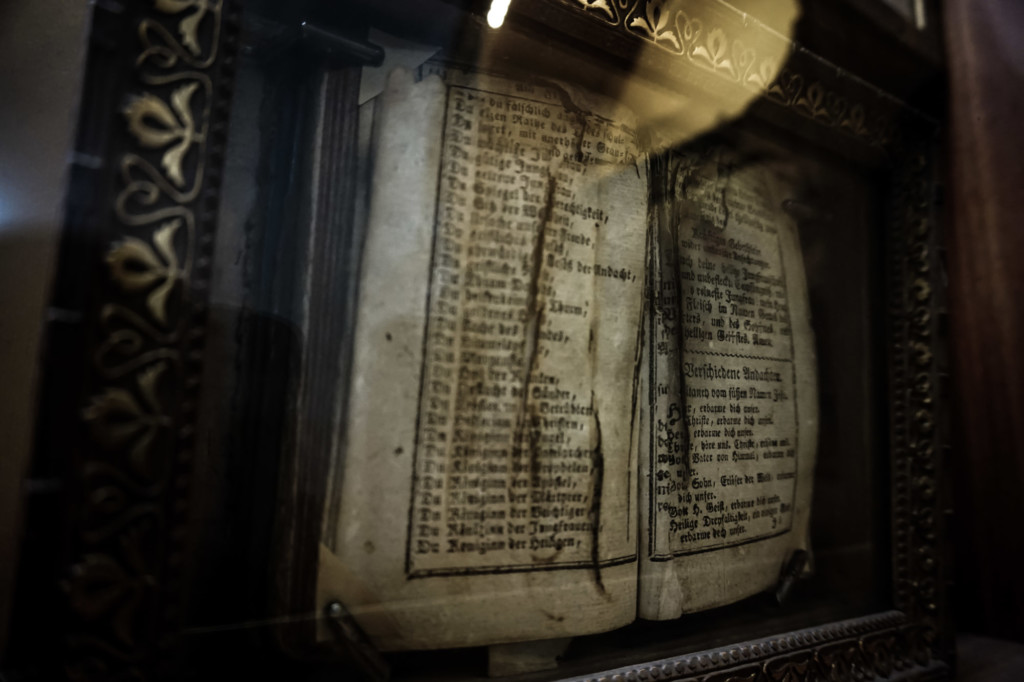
583 386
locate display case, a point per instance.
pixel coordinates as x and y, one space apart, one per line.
566 339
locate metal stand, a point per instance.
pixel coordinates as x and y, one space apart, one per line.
792 572
354 641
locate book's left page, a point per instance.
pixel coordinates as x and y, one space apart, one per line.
487 472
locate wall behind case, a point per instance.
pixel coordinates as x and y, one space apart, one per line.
41 58
986 59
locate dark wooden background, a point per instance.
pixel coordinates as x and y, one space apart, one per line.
985 43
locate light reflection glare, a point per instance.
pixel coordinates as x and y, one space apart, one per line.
496 14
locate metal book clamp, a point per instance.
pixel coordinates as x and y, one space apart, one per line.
355 642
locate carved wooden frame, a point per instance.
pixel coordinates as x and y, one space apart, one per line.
105 565
127 324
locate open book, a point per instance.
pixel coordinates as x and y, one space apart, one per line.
583 379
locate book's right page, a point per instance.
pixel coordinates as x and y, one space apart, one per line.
732 419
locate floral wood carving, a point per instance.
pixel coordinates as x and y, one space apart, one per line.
738 57
174 127
882 646
123 579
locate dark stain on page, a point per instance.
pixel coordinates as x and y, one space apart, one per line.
528 419
638 359
570 106
597 462
726 170
641 335
551 616
673 270
534 313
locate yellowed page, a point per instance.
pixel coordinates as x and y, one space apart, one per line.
488 472
732 419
